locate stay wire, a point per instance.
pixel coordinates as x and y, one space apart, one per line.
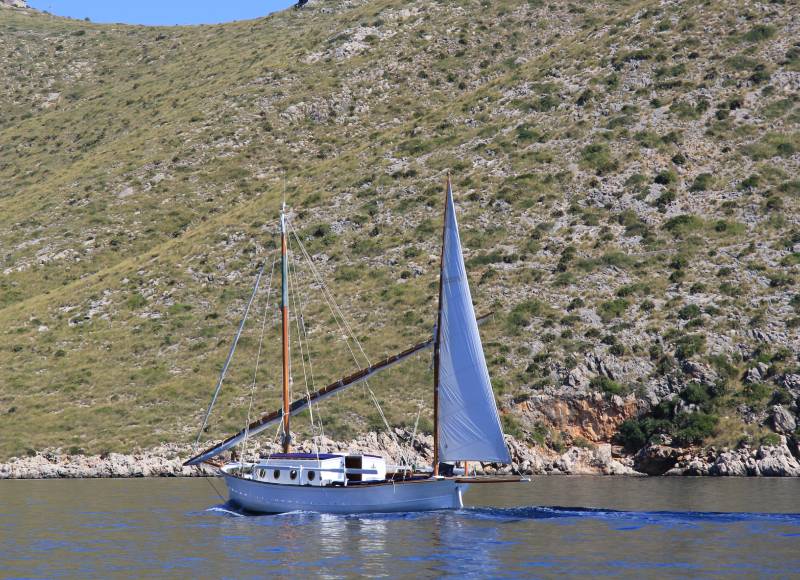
267 306
334 310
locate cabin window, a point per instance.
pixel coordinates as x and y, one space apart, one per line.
276 474
262 473
293 474
310 476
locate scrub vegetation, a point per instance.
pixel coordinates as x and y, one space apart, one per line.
626 175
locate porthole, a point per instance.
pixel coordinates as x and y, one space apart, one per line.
262 473
293 474
311 476
276 474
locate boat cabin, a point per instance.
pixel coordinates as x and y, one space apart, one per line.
321 469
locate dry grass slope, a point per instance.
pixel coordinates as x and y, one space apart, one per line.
626 172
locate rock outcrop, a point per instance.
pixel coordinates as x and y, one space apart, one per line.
767 461
166 461
588 415
160 462
656 459
783 421
14 3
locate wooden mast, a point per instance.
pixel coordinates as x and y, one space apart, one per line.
436 340
285 318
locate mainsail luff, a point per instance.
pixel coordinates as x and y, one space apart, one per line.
436 339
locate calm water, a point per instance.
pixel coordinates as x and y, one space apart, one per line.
619 527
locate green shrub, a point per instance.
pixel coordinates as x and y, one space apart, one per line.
760 32
528 134
695 394
576 303
724 368
637 183
772 145
782 397
521 315
751 182
511 426
347 274
606 385
666 177
689 311
770 439
617 349
780 280
689 345
685 110
694 428
613 308
136 301
756 392
631 435
663 200
702 182
683 224
598 156
634 434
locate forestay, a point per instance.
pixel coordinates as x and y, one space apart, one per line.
469 426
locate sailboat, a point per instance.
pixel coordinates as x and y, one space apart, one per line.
466 424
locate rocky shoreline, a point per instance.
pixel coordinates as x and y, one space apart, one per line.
658 458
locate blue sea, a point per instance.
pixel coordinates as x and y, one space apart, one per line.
555 526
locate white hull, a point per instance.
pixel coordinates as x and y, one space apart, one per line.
408 496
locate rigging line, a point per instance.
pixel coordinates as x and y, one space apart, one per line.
303 304
275 440
211 483
297 314
335 308
302 331
352 335
333 305
258 359
416 424
389 430
328 298
230 355
367 387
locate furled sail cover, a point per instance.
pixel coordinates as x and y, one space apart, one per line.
469 426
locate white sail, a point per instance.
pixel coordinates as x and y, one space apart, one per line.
469 426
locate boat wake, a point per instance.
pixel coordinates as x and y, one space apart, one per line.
226 509
634 518
229 509
638 517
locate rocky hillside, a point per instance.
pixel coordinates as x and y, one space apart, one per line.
627 180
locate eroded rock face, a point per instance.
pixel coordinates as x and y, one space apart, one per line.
783 421
656 459
791 382
590 416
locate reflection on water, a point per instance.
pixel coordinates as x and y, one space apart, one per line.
622 527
